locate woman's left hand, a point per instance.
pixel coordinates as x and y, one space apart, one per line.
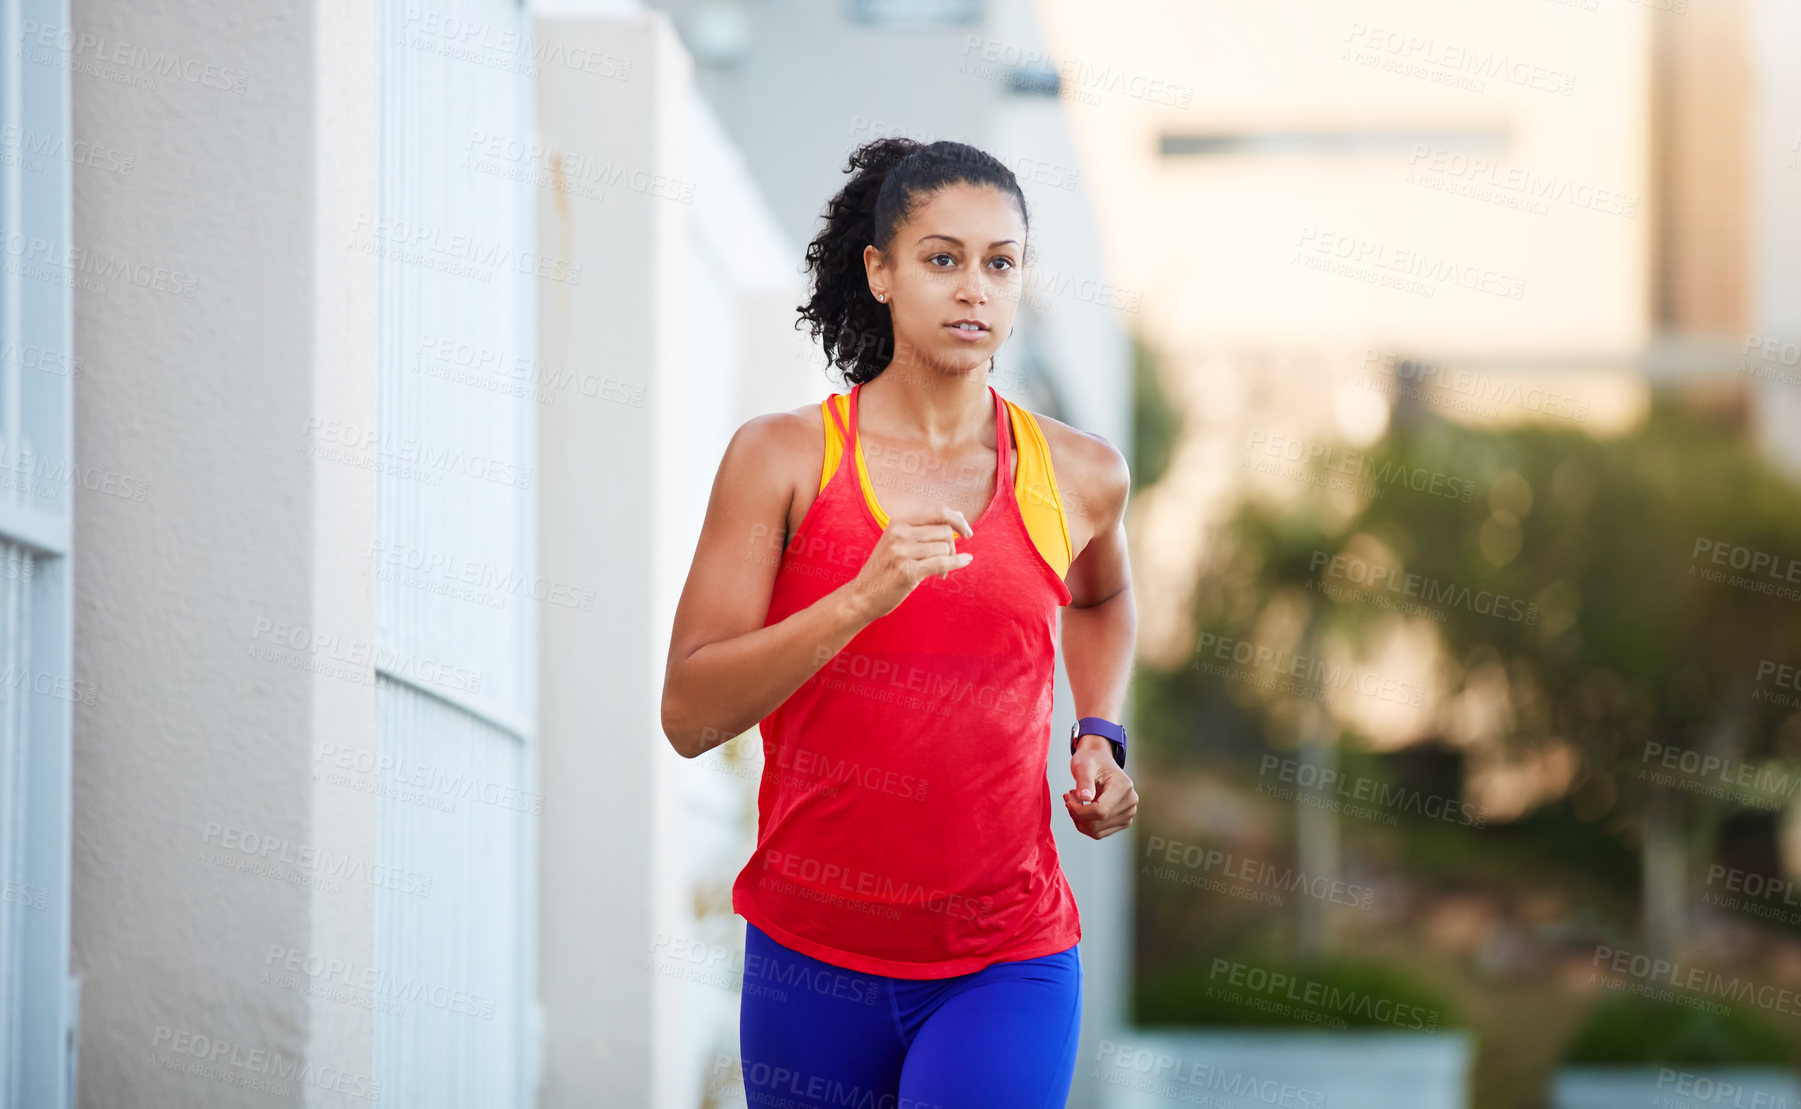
1113 800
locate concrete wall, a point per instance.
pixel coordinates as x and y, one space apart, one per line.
194 763
604 855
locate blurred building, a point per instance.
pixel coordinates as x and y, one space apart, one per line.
1409 204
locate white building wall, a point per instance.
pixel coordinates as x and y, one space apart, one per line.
452 566
212 615
270 625
685 312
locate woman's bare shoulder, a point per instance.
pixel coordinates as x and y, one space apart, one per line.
782 450
1091 472
783 434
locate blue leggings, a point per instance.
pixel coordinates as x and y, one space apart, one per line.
816 1036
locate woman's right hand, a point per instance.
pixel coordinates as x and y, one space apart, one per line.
909 551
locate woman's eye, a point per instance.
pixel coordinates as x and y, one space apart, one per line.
934 258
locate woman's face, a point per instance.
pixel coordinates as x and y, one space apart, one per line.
956 258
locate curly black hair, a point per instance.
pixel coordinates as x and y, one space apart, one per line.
892 177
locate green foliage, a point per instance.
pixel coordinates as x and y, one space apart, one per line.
1614 636
1361 994
1156 424
1625 1029
1547 849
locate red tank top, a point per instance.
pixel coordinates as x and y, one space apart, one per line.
903 817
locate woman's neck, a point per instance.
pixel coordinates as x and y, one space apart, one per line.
939 409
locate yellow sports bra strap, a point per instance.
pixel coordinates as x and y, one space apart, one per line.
834 438
1040 502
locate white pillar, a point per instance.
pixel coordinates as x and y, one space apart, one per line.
609 847
235 325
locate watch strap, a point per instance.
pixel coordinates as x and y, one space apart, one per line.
1113 733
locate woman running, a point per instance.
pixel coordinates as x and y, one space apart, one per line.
877 583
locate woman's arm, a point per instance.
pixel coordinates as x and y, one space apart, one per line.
1100 624
1100 629
726 671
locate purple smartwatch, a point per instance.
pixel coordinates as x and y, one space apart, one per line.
1095 725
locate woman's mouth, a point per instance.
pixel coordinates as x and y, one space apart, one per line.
967 332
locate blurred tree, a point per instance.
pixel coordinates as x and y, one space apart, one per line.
1156 424
1577 600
